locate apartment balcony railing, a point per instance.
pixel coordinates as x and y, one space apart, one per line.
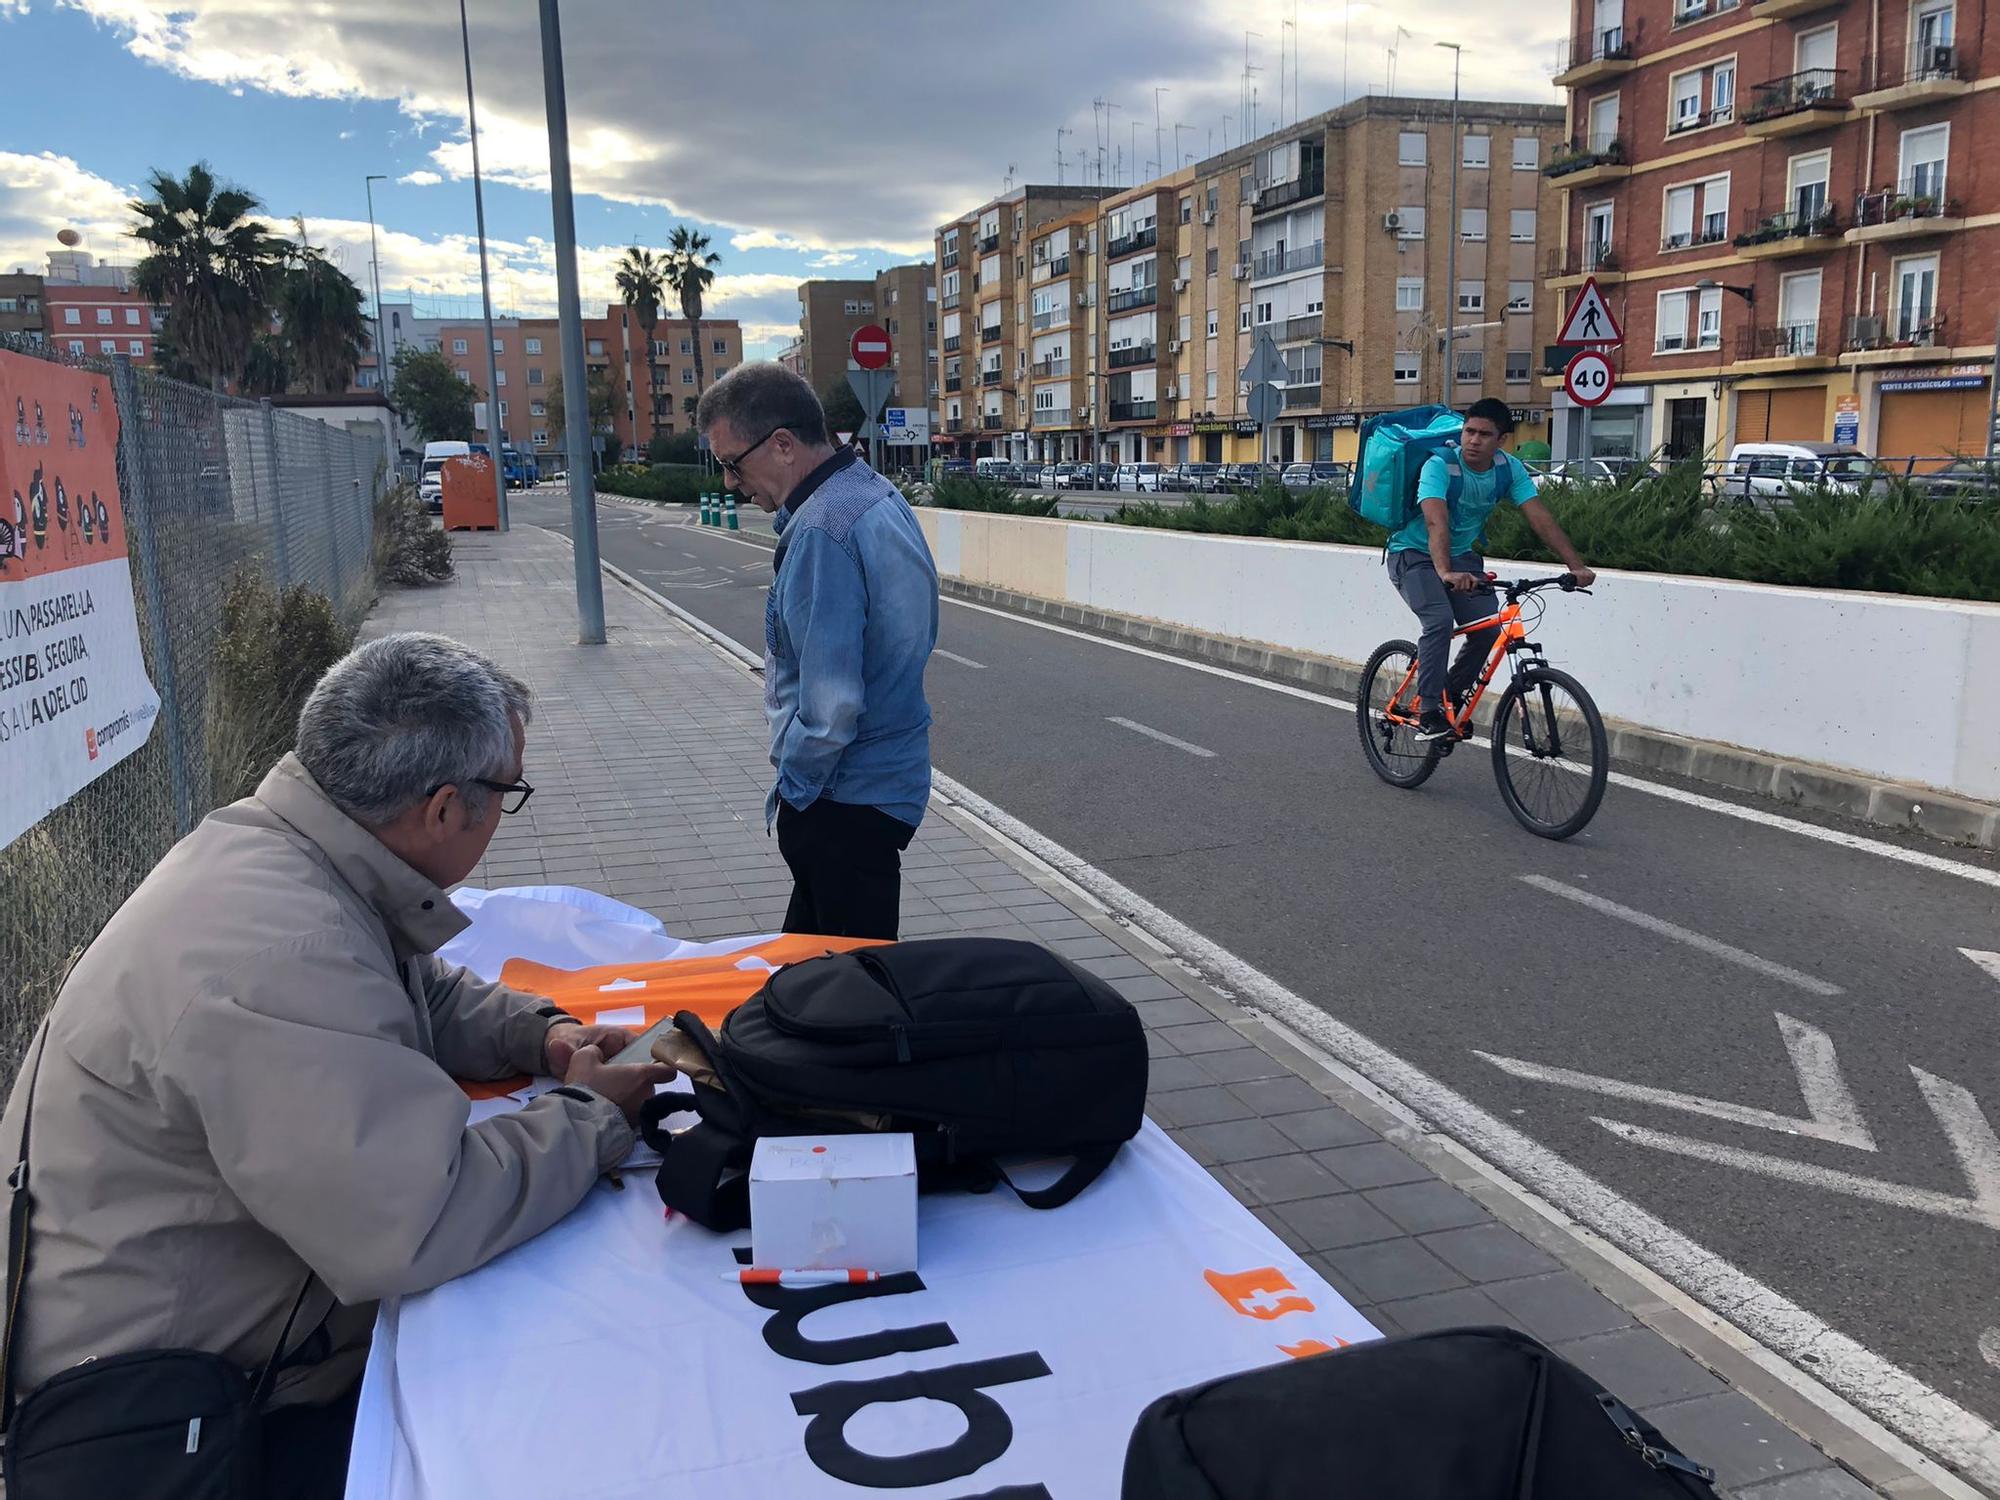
1293 329
1131 297
992 421
989 377
1283 194
1135 411
954 383
1049 369
1297 258
1138 239
1788 341
1906 328
1815 88
1591 258
1303 391
992 335
1583 153
1919 196
1604 52
1055 317
952 342
951 300
947 260
1052 416
1059 266
989 243
1139 354
1810 224
954 424
1712 230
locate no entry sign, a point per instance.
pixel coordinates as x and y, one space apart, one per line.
869 348
1588 378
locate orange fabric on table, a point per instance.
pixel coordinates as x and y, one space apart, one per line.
710 987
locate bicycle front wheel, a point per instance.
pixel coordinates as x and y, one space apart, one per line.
1394 752
1550 753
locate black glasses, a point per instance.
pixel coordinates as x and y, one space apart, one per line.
730 464
514 794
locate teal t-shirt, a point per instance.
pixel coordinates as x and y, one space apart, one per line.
1477 495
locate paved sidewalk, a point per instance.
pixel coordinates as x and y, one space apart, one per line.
648 758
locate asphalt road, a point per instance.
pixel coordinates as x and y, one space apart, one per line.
1411 917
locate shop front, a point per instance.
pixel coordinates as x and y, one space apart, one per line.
1932 416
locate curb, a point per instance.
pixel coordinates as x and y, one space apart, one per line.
1800 784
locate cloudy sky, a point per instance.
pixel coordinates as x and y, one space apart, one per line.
808 139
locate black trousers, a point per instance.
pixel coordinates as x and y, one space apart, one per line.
305 1449
847 868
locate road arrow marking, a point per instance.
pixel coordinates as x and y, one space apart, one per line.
1831 1112
1681 934
1990 962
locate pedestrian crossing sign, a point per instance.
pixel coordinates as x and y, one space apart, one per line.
1590 320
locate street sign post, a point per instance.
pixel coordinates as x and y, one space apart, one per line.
1266 374
1591 323
869 348
1589 378
871 388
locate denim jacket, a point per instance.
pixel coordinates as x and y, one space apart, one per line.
848 629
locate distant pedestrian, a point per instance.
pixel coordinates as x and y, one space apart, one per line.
848 628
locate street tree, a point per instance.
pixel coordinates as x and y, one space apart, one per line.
690 272
213 268
429 393
320 320
599 385
641 283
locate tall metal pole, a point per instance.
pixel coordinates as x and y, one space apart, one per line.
1451 251
375 265
1993 397
493 434
569 310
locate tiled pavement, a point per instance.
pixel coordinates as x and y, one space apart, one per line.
648 758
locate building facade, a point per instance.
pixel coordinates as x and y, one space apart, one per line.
21 307
1783 204
829 313
88 308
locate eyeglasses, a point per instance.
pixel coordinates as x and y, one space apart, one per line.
730 465
518 791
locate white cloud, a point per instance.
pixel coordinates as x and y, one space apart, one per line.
833 258
347 135
423 177
44 193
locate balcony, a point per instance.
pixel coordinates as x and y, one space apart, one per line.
1569 269
954 424
1712 230
951 343
1597 56
1131 297
1293 330
954 383
947 260
951 300
1785 10
1812 232
992 421
1135 411
1049 369
989 243
1279 262
1278 195
1787 347
1694 12
1052 416
989 377
1796 103
1937 74
992 335
1059 266
1055 317
1302 392
1912 209
1126 359
1131 244
1588 162
1907 336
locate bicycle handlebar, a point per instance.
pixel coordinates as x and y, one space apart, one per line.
1521 587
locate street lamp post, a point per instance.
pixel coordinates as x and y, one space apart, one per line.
493 435
375 266
1451 250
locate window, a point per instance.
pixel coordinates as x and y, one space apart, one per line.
1686 90
503 411
540 437
1187 327
1411 222
1521 226
1932 25
1471 367
538 408
1411 148
136 348
465 375
1814 52
76 345
1520 296
687 345
1670 329
499 346
499 377
1214 259
1722 93
1472 224
1478 152
1211 385
1187 209
1517 366
131 317
1408 365
720 371
1409 294
1923 162
1214 322
1805 185
595 346
1527 153
458 346
72 317
107 346
535 347
1472 296
1243 320
1798 314
1603 122
1263 313
687 375
1671 334
1709 200
1916 299
1597 221
104 317
1713 84
1184 268
1708 320
719 346
534 375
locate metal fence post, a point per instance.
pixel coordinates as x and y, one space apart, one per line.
138 507
281 544
331 510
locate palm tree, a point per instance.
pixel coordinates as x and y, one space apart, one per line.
641 282
689 271
319 309
210 264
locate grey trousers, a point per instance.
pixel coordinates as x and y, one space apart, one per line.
1441 611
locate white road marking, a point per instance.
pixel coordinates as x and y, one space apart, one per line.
1831 1112
963 661
1990 962
1154 734
1989 1347
1679 934
1935 863
1846 1375
1972 1140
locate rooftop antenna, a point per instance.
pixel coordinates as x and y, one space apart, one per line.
1007 185
1061 131
1244 111
1396 47
1159 136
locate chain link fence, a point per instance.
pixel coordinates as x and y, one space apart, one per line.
218 493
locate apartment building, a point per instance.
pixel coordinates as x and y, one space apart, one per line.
21 307
901 299
1144 305
1782 203
90 308
982 272
528 362
829 312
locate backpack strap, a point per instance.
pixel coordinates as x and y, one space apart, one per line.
702 1175
1086 1169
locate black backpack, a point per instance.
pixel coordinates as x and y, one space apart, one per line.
1463 1414
977 1046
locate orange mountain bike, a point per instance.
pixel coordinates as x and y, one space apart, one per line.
1550 754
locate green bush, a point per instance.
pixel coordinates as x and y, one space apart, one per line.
271 650
409 550
668 484
674 448
970 492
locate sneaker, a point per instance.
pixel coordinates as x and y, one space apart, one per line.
1433 725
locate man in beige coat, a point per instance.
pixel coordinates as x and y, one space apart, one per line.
249 1075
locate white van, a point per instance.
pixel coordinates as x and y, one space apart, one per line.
430 479
1769 472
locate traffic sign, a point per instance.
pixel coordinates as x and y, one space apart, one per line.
1264 404
1590 320
1266 364
1589 378
871 388
869 348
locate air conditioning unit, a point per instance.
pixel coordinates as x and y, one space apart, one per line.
1208 216
1180 283
1173 346
1083 299
1171 393
1392 221
1241 270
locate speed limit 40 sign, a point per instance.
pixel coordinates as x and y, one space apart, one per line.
1588 378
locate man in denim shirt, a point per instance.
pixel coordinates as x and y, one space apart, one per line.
848 628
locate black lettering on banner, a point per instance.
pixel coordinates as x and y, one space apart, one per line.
987 1433
789 1307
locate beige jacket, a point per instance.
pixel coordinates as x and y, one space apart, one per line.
249 1073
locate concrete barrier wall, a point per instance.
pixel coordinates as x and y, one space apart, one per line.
1894 687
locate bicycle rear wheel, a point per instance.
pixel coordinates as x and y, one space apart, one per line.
1550 753
1394 752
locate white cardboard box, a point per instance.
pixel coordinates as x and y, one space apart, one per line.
834 1202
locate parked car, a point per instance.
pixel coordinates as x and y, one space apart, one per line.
954 468
1969 480
1767 473
1313 476
1138 478
1244 476
1196 478
1045 477
1070 476
430 479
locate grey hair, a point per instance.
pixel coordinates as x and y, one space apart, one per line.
400 716
758 398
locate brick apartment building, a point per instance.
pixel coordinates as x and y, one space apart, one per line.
1784 203
901 299
21 307
528 361
91 309
1332 230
